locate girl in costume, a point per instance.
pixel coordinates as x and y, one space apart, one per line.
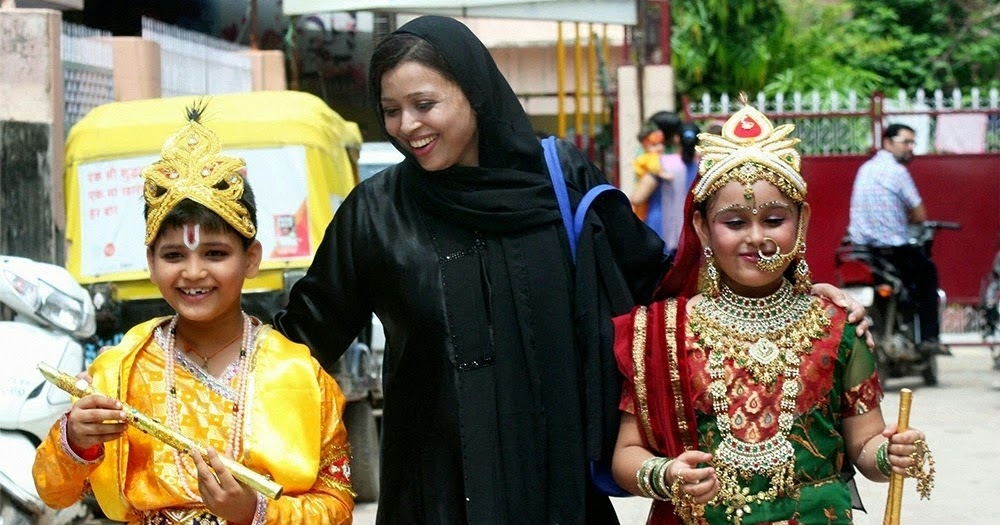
210 372
743 402
500 387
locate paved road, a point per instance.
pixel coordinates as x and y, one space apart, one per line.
962 420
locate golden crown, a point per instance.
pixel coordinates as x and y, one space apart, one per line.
750 148
192 166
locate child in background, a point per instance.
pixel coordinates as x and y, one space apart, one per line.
648 163
210 372
662 186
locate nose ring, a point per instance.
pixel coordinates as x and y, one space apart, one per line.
772 262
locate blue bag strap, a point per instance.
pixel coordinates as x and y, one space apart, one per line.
572 221
588 199
559 183
600 472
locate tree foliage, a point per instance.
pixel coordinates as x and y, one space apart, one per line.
726 45
926 43
862 45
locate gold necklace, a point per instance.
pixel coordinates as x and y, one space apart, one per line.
189 348
742 329
758 333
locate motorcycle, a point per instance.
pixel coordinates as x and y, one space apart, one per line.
990 306
45 315
877 285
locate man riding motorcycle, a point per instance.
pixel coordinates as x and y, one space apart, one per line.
883 202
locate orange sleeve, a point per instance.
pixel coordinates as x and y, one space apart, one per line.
330 501
61 475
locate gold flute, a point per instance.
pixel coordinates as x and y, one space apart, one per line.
79 388
895 500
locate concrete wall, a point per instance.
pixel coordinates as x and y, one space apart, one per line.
32 216
137 68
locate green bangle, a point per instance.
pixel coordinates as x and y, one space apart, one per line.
659 480
882 459
642 477
648 477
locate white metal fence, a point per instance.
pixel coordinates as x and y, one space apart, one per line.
193 63
962 121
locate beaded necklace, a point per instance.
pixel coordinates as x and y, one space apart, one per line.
767 337
242 382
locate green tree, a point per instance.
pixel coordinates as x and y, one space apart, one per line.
727 45
927 43
887 44
814 58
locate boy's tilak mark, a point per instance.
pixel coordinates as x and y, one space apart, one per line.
192 236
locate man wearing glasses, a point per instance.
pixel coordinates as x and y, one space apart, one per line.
883 202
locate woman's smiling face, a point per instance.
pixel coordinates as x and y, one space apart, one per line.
735 228
430 116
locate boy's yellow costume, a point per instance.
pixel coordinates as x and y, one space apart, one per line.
137 475
287 409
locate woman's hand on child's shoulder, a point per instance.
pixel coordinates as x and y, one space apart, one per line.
93 420
855 310
223 495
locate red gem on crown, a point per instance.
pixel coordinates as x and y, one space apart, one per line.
748 128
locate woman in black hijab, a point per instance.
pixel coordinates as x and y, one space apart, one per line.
500 386
499 383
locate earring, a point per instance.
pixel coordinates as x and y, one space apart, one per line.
709 279
803 278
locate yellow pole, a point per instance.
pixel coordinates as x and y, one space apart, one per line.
895 497
578 84
591 85
606 55
560 82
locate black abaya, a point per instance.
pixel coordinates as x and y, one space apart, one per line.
499 381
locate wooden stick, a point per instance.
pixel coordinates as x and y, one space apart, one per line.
895 501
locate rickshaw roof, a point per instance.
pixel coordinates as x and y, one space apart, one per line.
140 127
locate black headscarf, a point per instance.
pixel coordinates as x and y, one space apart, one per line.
506 137
510 189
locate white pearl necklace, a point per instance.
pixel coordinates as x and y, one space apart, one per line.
242 382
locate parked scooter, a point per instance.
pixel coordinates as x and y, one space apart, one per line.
877 285
45 315
990 306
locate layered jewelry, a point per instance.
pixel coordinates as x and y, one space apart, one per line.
767 337
759 334
166 339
